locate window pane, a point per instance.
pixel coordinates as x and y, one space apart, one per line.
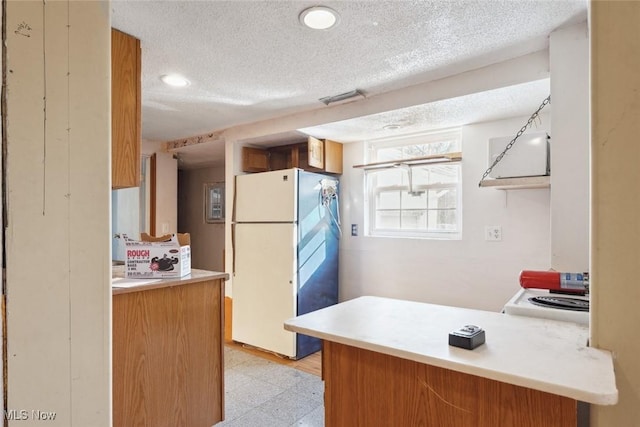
443 174
420 176
388 220
390 153
388 200
414 220
433 205
416 200
430 148
443 198
391 177
443 147
442 220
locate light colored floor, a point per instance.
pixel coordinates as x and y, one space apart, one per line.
261 392
311 364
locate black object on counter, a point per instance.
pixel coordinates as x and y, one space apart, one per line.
573 304
467 337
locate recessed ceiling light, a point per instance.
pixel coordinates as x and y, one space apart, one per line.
392 126
175 80
319 17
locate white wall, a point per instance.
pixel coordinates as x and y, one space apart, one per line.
58 177
569 62
166 194
527 68
468 273
126 203
207 240
125 219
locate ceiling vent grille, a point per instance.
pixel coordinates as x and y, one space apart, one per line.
343 97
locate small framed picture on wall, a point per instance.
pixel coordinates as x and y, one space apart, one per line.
214 202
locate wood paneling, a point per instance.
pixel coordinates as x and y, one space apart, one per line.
366 388
125 110
168 356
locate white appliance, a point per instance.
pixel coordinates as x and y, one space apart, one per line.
285 241
529 156
521 305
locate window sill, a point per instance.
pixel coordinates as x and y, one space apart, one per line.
416 236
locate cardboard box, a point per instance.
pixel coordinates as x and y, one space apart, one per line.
158 257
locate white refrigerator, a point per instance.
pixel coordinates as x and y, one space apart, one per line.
285 242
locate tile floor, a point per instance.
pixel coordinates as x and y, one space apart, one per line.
260 393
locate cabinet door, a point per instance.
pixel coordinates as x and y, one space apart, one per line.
332 156
125 110
255 160
315 153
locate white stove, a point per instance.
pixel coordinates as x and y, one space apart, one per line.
521 306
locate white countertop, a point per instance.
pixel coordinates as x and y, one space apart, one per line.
546 355
122 285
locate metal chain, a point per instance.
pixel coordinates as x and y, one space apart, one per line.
520 132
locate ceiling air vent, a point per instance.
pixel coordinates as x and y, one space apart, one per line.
343 97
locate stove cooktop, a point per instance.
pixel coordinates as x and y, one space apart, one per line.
521 305
560 303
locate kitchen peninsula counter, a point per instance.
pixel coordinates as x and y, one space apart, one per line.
392 357
122 285
168 348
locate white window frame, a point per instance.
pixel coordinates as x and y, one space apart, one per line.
371 190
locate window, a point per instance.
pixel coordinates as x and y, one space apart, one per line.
410 193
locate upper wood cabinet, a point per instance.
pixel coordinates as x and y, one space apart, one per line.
125 110
314 155
255 160
332 157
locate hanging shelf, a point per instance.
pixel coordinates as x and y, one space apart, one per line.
521 183
414 161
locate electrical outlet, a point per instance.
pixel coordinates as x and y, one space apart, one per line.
354 229
165 227
493 233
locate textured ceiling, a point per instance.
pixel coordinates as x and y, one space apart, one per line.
518 100
252 60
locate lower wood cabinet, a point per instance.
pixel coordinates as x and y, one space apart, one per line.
366 388
168 352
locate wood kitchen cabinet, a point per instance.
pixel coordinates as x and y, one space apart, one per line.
400 370
332 157
255 160
367 388
168 352
314 155
125 110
